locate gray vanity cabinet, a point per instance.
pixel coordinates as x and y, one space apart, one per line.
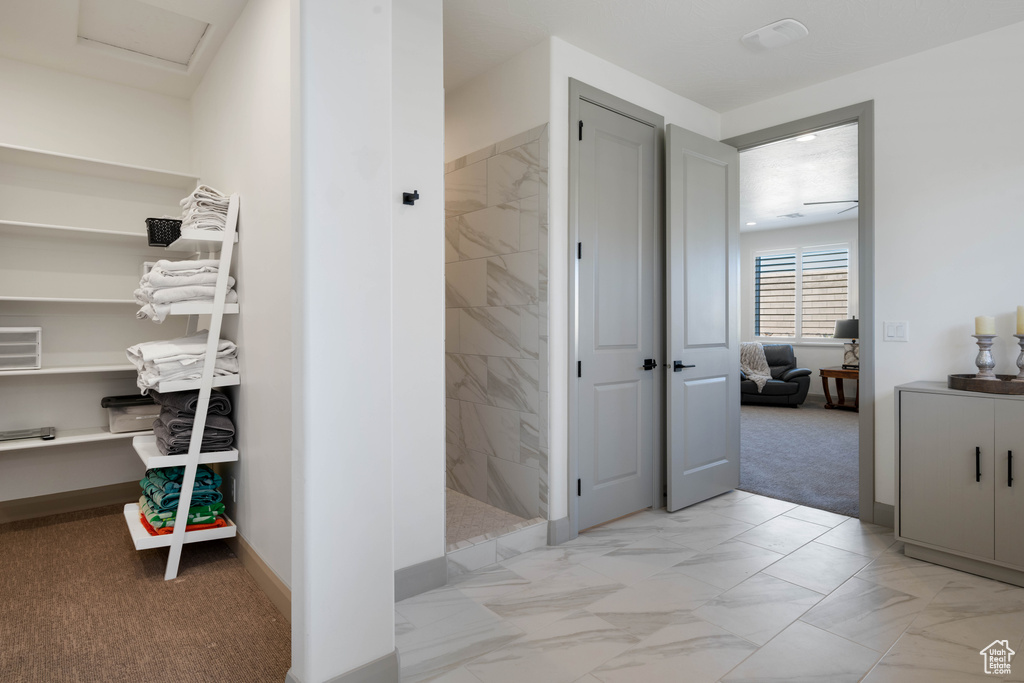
959 500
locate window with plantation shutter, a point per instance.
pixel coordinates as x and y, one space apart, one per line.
799 294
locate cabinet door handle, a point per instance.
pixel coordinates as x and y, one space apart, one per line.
1009 468
977 463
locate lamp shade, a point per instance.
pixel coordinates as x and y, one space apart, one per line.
847 329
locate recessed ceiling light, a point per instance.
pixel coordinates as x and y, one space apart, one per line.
806 138
751 223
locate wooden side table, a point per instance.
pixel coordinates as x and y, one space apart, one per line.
839 374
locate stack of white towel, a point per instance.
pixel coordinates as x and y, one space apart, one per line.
180 359
169 282
204 209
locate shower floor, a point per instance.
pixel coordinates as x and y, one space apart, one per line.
468 518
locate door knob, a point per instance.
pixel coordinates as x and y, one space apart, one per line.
650 363
677 366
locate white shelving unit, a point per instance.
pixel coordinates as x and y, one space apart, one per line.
72 237
146 447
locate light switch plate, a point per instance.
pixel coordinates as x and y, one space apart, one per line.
897 331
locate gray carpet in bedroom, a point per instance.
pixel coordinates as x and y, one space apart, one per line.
806 456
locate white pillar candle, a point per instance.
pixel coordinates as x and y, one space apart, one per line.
1020 320
984 324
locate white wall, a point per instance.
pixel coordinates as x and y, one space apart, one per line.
61 112
949 186
343 559
812 355
417 422
568 61
241 122
505 101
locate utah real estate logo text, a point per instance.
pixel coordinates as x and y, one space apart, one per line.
997 657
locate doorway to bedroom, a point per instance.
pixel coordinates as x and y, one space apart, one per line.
800 296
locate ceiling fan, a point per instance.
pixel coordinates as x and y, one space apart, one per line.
855 203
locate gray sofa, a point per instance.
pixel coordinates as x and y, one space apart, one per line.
788 385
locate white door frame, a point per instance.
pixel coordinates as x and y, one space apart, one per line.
863 114
581 91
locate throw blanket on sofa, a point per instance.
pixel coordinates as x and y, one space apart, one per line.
754 365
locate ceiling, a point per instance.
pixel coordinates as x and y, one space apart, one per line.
693 48
776 180
164 46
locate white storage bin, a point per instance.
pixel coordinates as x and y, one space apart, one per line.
21 348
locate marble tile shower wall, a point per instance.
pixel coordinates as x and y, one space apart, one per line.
496 324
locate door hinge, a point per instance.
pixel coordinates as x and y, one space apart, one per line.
579 368
579 487
581 129
579 250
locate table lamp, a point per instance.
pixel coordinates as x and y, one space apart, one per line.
849 329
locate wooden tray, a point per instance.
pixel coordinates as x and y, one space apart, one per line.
1001 385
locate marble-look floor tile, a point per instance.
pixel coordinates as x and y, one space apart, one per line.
703 531
514 383
487 583
402 625
488 232
513 174
540 564
427 653
693 651
819 567
822 517
649 605
474 557
864 539
759 608
426 608
866 613
490 331
465 377
902 573
754 509
973 612
782 534
460 675
513 487
559 653
545 602
465 190
728 564
918 659
804 653
493 431
637 561
524 540
512 279
466 284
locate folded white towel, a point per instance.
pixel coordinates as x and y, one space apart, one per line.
172 349
158 279
183 358
199 265
157 310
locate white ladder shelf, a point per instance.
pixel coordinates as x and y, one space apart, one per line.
146 447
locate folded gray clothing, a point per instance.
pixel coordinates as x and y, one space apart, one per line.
217 426
187 401
176 444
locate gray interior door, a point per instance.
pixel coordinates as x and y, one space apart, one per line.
702 320
617 327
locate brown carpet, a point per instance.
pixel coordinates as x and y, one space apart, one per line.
79 603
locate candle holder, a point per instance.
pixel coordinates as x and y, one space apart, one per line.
1020 359
986 365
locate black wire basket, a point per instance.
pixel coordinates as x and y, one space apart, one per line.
162 231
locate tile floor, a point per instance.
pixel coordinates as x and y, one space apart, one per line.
467 517
738 588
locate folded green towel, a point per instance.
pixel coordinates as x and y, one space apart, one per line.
169 479
158 519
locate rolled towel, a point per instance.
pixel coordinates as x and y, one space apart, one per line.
187 401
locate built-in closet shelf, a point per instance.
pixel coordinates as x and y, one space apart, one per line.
143 541
71 370
69 163
199 308
151 456
23 229
195 384
198 241
68 436
67 300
